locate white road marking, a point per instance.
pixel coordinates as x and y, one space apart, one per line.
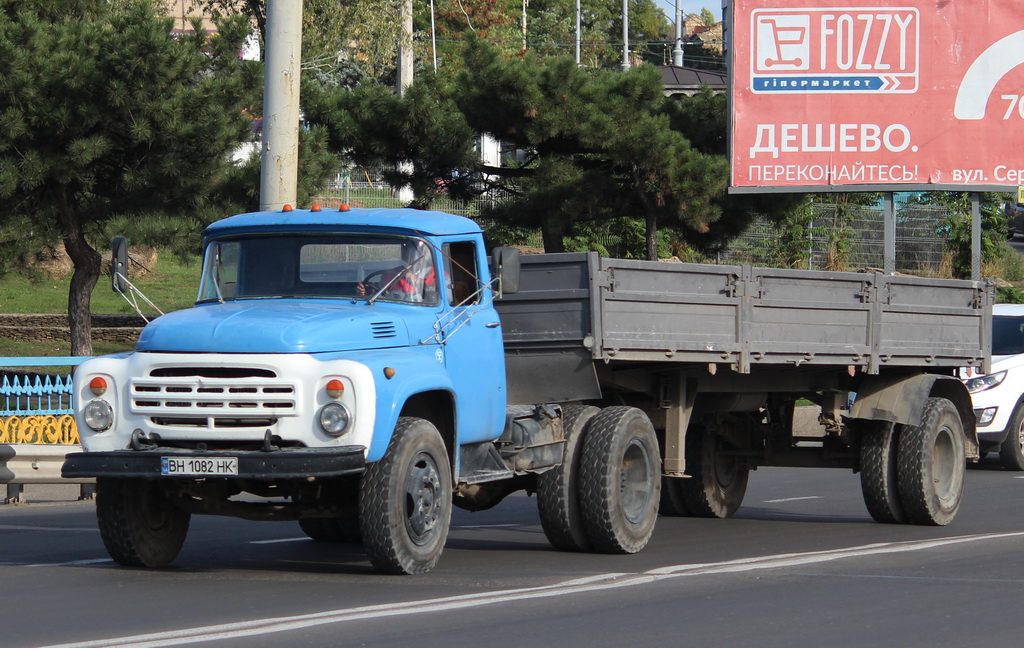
23 527
792 499
73 563
278 540
460 603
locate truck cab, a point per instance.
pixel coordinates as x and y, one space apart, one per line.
317 336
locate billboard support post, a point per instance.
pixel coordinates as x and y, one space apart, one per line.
889 242
975 236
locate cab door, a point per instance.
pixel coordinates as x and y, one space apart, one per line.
472 342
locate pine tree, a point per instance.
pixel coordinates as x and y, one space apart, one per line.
105 114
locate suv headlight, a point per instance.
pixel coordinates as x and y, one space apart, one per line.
988 381
98 415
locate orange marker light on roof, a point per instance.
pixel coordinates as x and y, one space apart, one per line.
98 386
314 207
335 388
343 207
286 208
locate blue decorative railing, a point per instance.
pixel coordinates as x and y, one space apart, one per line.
37 408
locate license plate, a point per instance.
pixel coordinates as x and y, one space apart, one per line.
199 466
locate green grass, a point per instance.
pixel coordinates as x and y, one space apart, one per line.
171 285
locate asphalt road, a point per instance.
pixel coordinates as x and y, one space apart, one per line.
801 564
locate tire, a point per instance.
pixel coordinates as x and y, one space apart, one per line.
405 500
139 525
878 471
932 464
620 480
557 498
717 483
1011 451
336 529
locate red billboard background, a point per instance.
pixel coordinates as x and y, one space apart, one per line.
897 95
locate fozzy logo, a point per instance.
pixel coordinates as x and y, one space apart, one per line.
835 50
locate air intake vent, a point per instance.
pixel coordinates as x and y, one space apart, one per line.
383 329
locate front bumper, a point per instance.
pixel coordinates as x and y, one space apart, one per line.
284 463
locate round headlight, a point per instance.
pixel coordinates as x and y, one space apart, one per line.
98 415
334 418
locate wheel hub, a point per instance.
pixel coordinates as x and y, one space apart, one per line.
422 504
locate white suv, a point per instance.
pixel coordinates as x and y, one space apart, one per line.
999 396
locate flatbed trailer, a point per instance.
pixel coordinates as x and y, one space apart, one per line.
718 356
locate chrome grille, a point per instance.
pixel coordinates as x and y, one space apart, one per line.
200 400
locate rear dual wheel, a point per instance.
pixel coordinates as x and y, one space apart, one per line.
718 481
931 465
915 473
878 471
557 498
620 480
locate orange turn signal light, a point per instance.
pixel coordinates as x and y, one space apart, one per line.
335 388
98 386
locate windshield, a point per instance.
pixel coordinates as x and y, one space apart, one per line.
1007 335
322 265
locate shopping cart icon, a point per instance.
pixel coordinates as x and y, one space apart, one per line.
782 42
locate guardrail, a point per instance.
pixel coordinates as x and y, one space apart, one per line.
37 428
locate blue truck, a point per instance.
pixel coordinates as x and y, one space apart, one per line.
362 371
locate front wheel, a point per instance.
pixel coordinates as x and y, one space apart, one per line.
1011 451
405 500
932 464
620 480
139 525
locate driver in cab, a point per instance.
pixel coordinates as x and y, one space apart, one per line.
414 281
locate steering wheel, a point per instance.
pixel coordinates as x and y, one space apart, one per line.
379 273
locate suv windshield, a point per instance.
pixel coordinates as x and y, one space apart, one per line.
323 265
1007 335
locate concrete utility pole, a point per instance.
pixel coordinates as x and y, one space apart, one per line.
579 35
625 35
281 68
405 73
405 48
677 52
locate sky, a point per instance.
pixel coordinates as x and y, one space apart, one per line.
690 6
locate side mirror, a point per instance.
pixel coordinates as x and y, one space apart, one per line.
119 264
505 267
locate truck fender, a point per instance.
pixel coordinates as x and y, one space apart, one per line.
411 373
901 399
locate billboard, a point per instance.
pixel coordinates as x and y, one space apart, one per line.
875 95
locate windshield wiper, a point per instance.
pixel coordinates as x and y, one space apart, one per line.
406 268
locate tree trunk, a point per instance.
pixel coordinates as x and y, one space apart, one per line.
652 237
552 235
83 280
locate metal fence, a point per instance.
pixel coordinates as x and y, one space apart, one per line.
36 406
920 242
365 187
37 428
